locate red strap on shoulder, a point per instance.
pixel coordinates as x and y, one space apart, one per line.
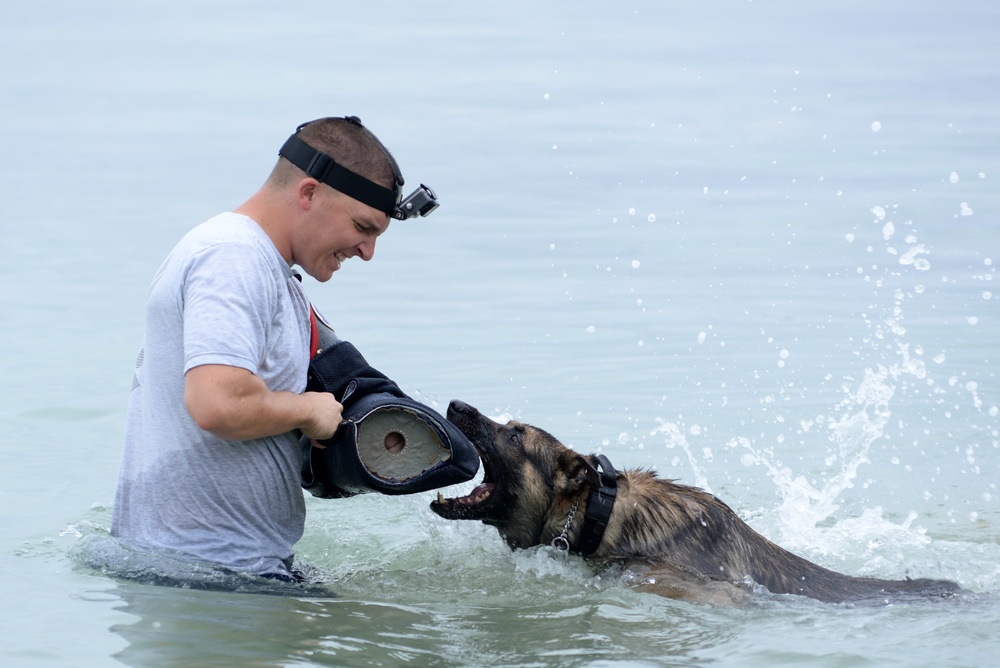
313 333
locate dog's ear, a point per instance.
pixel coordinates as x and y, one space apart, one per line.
578 470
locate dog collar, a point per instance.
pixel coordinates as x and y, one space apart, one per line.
600 501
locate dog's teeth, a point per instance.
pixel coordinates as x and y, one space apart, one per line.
440 497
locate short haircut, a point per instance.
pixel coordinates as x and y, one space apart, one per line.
350 144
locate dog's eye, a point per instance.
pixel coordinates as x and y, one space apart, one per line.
514 438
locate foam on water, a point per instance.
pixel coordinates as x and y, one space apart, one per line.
100 552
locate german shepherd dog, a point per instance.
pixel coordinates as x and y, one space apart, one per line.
671 539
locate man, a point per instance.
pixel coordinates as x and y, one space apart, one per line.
211 464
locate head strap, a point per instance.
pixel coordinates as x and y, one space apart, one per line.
325 169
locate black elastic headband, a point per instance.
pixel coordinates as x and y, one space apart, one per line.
325 169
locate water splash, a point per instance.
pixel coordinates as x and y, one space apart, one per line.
863 415
674 437
861 422
857 423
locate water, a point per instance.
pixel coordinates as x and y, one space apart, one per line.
751 244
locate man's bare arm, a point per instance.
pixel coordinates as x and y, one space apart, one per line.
234 404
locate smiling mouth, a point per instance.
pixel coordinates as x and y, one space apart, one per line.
340 259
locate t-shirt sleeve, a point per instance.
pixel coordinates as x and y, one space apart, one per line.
228 294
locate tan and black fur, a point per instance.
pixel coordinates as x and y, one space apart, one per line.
683 541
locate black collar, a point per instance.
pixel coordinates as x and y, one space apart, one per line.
600 501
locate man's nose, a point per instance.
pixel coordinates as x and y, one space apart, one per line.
366 250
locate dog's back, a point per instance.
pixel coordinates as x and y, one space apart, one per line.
688 529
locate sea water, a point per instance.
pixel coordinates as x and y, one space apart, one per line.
752 245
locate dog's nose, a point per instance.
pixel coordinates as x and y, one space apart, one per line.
461 408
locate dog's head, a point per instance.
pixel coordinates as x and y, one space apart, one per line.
530 479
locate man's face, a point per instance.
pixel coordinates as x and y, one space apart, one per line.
336 228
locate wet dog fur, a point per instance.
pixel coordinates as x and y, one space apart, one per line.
677 541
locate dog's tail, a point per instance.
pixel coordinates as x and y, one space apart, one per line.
795 575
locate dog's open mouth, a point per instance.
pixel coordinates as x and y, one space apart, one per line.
473 506
479 495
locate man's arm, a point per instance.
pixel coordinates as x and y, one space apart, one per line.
236 405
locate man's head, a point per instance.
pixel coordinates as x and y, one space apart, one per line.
332 193
350 144
312 223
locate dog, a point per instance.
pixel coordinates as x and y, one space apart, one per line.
671 539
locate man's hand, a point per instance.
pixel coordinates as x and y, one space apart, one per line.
327 413
236 405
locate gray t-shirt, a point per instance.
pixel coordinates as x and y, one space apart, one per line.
224 295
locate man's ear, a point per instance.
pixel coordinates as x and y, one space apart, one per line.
578 470
307 192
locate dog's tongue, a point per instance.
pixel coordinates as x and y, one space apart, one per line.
481 492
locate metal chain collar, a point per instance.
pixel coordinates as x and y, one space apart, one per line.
561 542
